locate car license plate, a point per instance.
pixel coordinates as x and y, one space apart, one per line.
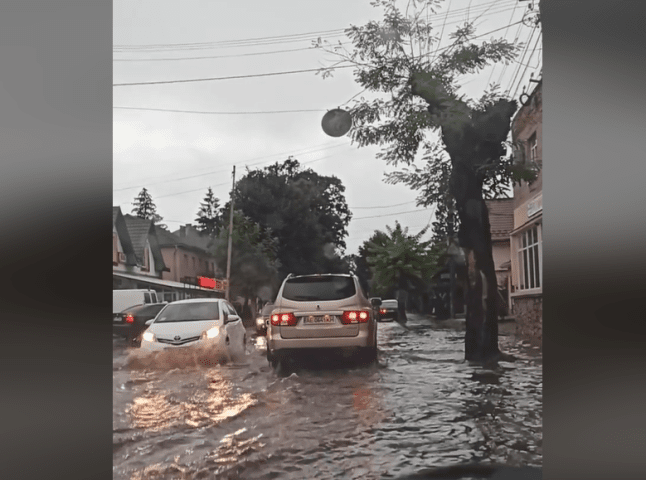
317 320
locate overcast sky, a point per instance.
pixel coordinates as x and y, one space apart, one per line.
177 155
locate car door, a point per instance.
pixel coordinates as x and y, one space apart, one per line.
234 328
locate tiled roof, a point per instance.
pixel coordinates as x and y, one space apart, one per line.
501 217
166 238
190 236
124 237
138 228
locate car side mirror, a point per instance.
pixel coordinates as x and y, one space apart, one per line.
148 322
375 301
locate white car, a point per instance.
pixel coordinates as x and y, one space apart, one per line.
322 311
211 324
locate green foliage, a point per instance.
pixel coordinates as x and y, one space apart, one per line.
254 263
146 208
306 212
208 219
416 86
398 260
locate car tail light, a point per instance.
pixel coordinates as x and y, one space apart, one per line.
130 319
355 316
383 310
284 319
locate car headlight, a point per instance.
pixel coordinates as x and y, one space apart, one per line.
211 332
149 337
260 321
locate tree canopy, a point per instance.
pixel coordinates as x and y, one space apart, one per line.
306 212
146 208
415 91
399 260
254 263
208 219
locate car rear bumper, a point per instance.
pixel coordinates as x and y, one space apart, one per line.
364 339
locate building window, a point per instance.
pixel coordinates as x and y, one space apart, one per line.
146 266
533 148
115 249
530 269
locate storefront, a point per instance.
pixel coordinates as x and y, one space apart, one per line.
167 290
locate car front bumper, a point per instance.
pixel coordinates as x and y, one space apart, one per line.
214 344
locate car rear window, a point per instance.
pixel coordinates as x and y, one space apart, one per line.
188 312
319 288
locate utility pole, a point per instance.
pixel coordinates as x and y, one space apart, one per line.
228 288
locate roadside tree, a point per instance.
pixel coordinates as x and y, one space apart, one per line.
254 263
146 208
306 212
418 111
208 219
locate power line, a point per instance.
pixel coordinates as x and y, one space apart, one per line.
215 56
216 113
302 151
391 214
224 78
383 206
227 43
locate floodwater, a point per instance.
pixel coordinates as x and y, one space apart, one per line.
420 407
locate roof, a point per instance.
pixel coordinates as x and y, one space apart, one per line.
140 231
124 237
192 237
501 217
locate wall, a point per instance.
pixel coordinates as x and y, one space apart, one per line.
528 312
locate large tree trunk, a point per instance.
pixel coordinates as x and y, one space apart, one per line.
474 237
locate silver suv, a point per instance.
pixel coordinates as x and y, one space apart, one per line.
322 311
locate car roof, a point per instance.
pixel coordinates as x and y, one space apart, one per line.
322 275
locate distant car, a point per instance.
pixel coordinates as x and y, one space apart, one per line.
263 318
388 311
132 321
208 323
322 311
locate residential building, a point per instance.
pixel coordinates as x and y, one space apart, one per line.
186 252
527 236
139 262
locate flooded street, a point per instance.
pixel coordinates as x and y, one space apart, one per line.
420 406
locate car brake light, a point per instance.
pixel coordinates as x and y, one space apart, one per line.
284 319
383 310
130 319
354 316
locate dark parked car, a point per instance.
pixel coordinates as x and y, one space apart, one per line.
388 311
132 321
262 320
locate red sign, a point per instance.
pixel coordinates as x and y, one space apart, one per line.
206 282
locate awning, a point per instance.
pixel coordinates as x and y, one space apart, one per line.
165 283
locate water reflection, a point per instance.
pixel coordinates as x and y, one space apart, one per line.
155 411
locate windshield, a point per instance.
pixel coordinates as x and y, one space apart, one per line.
189 312
319 288
150 309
